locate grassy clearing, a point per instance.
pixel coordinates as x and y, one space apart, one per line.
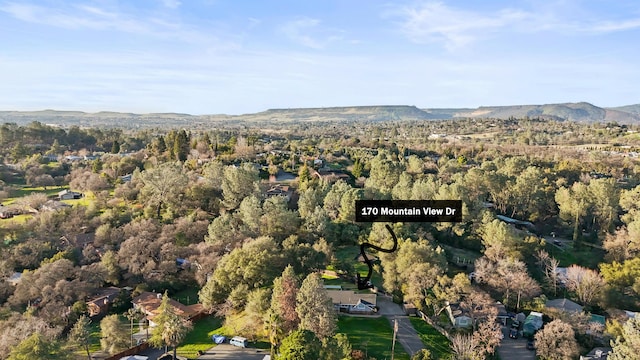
458 255
371 335
587 257
435 342
348 255
200 337
188 296
27 190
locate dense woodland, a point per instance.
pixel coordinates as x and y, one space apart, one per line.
154 196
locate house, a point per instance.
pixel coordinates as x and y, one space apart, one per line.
149 304
79 241
50 157
517 223
370 256
563 304
7 212
126 178
353 303
280 190
54 205
73 158
15 278
330 175
601 353
99 304
457 316
503 315
69 195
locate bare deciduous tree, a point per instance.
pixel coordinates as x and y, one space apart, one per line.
549 266
508 276
556 341
586 283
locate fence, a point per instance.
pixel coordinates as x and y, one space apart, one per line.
132 351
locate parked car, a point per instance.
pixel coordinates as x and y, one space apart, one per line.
239 341
513 333
530 345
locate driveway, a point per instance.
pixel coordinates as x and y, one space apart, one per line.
558 242
514 349
407 336
230 352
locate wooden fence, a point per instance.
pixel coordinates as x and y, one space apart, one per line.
132 351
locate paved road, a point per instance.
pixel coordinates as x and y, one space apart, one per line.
562 242
514 349
407 335
230 352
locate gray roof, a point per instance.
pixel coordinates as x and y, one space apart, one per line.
563 304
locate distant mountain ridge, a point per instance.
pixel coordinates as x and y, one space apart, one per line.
580 112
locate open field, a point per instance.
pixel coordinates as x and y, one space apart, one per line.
374 336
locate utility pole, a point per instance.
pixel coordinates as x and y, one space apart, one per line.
395 331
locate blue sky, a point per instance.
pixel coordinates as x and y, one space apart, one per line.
234 57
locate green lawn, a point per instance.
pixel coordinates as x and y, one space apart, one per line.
27 190
435 342
188 296
374 336
200 337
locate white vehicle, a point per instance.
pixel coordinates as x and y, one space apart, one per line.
239 341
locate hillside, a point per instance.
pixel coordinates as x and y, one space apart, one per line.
578 112
634 109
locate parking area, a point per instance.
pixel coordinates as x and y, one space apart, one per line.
230 352
515 349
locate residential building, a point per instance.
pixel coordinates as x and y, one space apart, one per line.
352 302
149 304
99 304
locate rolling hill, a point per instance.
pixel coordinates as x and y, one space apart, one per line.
579 112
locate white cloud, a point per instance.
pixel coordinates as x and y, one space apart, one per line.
171 4
78 17
308 32
436 22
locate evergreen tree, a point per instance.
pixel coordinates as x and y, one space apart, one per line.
115 147
37 346
80 334
300 345
315 308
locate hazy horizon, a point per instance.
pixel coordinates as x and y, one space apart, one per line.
222 57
